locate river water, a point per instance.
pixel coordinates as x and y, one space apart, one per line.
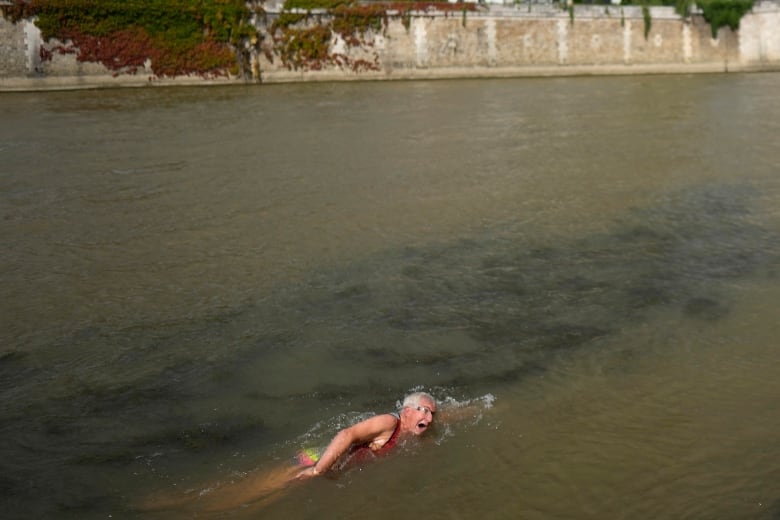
199 282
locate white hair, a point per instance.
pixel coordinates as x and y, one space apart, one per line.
414 399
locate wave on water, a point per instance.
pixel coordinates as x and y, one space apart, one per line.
151 168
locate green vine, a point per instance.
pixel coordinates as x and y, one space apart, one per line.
647 18
718 13
308 5
721 13
304 43
683 7
305 48
178 36
352 23
287 19
406 20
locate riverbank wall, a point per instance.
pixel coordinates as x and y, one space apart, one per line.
521 40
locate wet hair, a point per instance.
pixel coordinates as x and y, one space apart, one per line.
414 399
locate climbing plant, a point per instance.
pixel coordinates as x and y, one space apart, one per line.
177 36
718 13
303 33
721 13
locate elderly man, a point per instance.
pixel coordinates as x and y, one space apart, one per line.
375 436
366 439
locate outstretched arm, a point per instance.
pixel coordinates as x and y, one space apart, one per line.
471 410
375 429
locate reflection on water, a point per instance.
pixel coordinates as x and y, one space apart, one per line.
198 281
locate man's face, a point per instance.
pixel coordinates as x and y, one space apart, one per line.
421 416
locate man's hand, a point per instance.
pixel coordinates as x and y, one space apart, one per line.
307 473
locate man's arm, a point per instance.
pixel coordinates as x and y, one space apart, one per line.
362 432
471 410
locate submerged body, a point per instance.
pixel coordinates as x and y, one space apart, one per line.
368 439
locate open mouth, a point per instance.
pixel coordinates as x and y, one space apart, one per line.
421 426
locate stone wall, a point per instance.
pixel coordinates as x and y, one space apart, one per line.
12 49
496 41
759 35
545 40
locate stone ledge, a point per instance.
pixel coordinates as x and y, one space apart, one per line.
96 82
514 72
99 82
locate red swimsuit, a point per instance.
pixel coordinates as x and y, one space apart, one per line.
356 454
362 452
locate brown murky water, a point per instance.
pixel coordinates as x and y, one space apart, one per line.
197 282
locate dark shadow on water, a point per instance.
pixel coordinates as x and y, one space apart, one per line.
504 293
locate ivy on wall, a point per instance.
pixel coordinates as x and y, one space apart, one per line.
718 13
722 13
179 37
205 37
303 40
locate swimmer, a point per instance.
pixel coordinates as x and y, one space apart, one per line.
377 435
370 438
